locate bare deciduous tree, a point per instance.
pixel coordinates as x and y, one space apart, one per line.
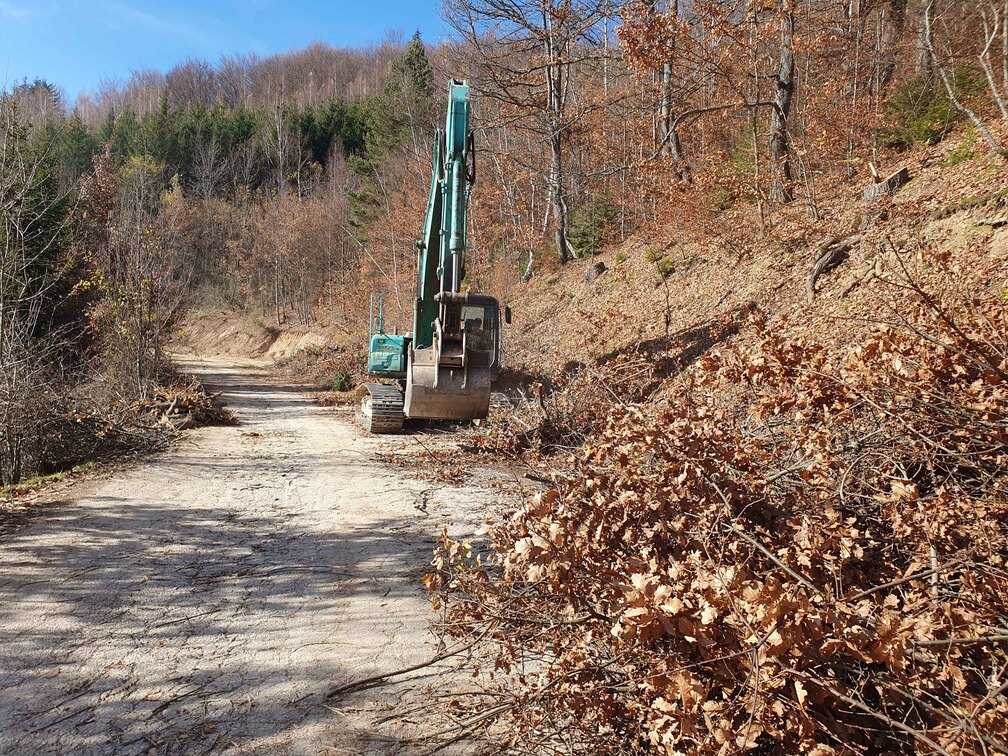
780 160
134 248
33 224
945 60
525 54
193 82
210 169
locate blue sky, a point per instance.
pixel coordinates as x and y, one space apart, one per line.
77 43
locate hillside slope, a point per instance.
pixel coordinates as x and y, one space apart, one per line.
666 290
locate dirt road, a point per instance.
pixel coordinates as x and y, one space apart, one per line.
205 601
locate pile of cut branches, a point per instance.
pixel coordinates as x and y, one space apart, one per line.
184 404
547 421
82 430
800 551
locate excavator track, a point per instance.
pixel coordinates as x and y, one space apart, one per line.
381 408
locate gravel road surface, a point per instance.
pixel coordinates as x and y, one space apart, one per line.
205 600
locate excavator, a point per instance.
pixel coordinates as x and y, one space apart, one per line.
443 368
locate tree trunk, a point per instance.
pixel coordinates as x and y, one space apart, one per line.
559 200
555 120
670 142
895 23
924 63
276 288
782 190
281 156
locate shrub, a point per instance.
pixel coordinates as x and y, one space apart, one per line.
921 112
721 201
653 254
620 257
342 382
593 226
666 267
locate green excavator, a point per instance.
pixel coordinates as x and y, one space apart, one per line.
444 368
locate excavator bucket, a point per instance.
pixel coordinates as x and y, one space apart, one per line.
447 393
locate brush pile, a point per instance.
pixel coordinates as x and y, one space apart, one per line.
183 404
797 550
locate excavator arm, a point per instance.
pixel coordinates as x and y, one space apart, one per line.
446 365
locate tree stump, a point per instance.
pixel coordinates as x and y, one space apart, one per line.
595 271
888 185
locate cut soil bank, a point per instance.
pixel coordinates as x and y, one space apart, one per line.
236 335
209 599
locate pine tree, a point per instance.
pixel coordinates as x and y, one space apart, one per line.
399 120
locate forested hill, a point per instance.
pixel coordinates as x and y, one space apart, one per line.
229 103
244 125
278 168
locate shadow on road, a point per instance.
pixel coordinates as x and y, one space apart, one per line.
211 598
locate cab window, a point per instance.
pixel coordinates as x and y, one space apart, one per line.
480 324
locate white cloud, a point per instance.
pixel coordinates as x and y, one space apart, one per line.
14 12
122 14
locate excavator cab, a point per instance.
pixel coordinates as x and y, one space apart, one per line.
480 326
